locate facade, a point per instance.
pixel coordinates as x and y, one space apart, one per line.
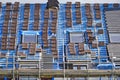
66 36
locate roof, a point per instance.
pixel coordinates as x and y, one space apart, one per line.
63 1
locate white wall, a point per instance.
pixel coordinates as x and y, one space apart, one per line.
63 1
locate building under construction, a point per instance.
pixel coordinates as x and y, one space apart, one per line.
59 41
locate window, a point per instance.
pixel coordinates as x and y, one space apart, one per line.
114 37
29 38
76 37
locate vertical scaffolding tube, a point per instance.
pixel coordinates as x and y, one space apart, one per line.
64 59
39 66
13 67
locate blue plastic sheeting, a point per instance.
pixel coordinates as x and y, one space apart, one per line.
105 66
52 78
62 33
5 78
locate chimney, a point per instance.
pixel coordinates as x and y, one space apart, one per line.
52 4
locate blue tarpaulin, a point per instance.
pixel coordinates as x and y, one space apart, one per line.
106 66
